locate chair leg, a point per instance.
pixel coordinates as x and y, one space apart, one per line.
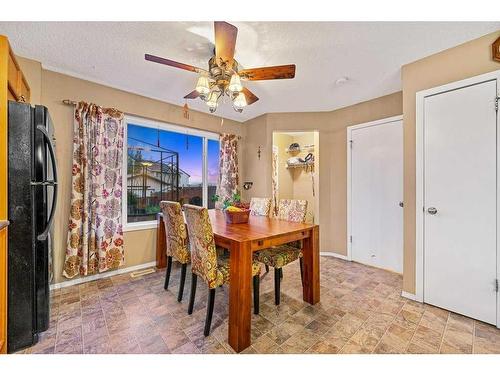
277 280
194 278
301 262
183 280
256 288
210 311
267 268
167 275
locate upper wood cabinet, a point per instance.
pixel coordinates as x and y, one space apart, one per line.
18 88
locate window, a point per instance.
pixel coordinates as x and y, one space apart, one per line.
166 162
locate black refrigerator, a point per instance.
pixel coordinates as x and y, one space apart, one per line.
32 197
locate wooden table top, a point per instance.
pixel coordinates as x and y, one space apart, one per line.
257 228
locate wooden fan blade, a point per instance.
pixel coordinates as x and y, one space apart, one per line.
249 96
192 95
269 72
175 64
225 42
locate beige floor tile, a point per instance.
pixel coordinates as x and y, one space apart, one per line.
323 347
427 339
264 344
397 338
434 320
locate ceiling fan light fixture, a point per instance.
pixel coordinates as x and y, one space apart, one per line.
239 102
235 84
223 75
203 86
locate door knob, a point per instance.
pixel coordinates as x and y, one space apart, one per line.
401 204
432 210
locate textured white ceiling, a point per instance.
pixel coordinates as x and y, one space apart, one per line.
370 54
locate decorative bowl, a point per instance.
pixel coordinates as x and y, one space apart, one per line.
237 217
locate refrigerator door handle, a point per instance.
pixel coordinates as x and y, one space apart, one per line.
42 236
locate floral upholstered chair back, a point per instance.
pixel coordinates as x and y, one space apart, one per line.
201 239
175 229
292 210
260 206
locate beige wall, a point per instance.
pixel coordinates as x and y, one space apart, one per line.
256 134
332 171
464 61
285 181
53 88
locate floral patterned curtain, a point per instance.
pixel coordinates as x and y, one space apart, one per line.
275 185
228 168
95 236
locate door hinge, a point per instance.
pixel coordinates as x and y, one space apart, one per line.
350 239
350 143
496 285
496 103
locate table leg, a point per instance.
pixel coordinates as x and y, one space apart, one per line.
310 288
240 295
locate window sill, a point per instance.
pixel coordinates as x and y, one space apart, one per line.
130 227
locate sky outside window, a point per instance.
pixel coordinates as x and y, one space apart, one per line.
188 146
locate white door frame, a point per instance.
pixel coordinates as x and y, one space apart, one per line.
349 170
419 156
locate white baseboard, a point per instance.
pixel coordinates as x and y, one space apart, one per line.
413 297
85 279
335 255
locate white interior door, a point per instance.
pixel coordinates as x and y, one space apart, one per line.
460 200
376 192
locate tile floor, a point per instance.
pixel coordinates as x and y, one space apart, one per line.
361 311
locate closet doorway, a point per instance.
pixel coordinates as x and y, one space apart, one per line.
457 197
295 169
375 193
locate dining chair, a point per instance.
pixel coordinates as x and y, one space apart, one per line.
279 256
207 264
260 206
177 241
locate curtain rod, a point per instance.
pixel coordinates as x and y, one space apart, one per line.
73 103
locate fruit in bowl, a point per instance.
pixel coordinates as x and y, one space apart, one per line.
242 205
235 211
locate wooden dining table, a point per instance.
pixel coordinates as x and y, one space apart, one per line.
242 240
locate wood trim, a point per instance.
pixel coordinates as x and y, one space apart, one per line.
20 88
495 50
4 55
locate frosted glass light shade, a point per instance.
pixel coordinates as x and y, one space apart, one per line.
239 102
212 101
202 86
235 83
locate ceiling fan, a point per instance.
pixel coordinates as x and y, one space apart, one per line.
224 75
